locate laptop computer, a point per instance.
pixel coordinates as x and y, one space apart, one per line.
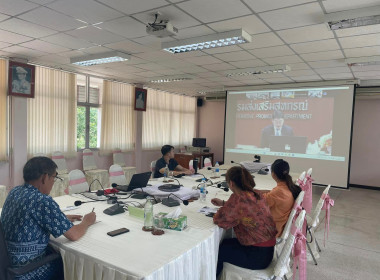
139 180
288 144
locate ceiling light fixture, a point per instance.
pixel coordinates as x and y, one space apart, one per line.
207 42
94 59
169 80
259 70
353 18
363 61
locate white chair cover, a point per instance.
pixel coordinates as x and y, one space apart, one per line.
77 182
118 157
39 155
278 268
207 162
289 223
3 195
183 149
60 161
128 172
117 175
88 160
59 186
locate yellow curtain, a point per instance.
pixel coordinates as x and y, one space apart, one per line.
169 119
52 113
118 117
3 110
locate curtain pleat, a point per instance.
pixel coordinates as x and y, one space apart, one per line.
169 119
118 118
52 113
3 110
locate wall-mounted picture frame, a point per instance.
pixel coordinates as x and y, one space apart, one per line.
21 79
140 99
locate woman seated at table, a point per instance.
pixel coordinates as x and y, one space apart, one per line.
30 215
281 199
248 214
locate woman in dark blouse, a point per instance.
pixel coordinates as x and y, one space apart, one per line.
248 214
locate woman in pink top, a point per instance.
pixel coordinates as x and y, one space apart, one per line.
281 199
248 214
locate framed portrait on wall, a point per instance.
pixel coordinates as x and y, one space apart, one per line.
21 79
140 99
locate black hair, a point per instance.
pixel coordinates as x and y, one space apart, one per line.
278 115
281 168
166 149
38 166
242 179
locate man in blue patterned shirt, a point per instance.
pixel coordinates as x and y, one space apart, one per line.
30 215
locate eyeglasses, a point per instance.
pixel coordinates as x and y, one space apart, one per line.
56 177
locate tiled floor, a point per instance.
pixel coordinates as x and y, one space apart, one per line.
353 248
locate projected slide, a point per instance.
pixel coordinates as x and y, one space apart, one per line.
290 122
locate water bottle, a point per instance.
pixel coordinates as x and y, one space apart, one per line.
203 191
166 173
148 214
216 169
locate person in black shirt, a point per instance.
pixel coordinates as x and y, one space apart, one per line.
168 159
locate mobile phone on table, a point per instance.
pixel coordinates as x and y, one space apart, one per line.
118 232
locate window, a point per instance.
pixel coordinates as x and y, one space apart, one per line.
88 111
169 119
3 109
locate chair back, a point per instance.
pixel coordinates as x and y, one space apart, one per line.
3 195
77 182
39 155
280 268
289 223
60 161
207 162
302 176
153 168
318 208
308 173
183 149
191 166
117 175
4 257
118 157
88 160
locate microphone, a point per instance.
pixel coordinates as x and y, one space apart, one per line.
170 202
223 186
89 187
78 202
263 170
237 163
200 180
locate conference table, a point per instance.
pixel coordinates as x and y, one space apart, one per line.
188 254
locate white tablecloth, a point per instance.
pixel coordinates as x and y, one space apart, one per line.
190 254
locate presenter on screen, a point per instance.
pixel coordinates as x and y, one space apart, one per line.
277 128
168 159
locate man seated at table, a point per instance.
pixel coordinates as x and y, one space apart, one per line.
30 215
168 159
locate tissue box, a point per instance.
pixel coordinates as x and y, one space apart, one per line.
178 224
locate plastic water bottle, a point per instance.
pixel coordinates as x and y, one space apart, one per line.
216 169
148 214
166 173
203 191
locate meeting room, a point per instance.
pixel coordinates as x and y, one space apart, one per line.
189 139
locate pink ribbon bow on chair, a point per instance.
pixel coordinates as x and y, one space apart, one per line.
307 188
326 206
298 209
299 253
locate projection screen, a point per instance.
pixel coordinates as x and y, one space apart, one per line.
308 126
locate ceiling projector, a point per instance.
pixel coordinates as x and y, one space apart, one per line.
161 29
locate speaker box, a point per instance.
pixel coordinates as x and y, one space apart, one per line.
199 102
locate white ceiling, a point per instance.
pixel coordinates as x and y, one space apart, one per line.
49 32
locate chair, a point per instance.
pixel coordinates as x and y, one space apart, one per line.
312 223
306 184
77 182
117 175
92 172
183 150
60 185
118 158
207 163
153 168
3 195
277 269
7 272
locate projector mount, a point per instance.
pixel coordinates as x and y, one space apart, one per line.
158 25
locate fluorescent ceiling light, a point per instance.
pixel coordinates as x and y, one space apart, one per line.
207 42
258 70
169 79
363 61
94 59
353 18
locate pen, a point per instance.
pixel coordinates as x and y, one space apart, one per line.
93 209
